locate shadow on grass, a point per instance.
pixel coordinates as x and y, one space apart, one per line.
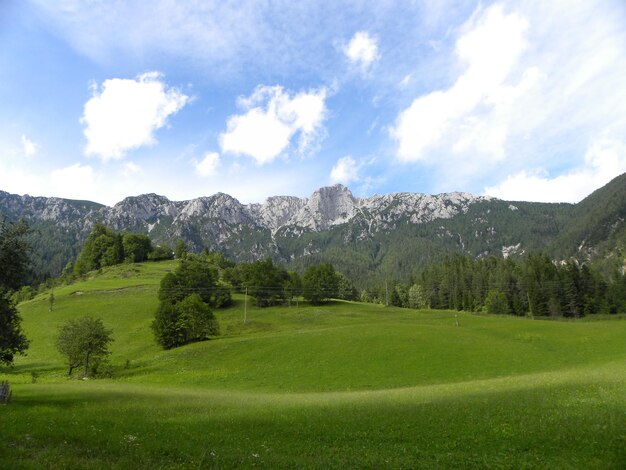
568 425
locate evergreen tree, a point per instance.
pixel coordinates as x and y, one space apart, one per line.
14 265
12 338
14 254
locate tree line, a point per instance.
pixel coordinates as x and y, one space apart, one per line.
534 285
105 247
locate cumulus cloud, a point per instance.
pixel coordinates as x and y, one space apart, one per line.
123 114
490 49
130 169
362 50
208 165
29 147
74 182
271 119
345 171
605 159
533 85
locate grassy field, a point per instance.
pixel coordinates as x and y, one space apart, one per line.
346 385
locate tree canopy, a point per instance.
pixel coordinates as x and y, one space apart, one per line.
136 247
84 342
14 254
196 274
266 282
534 285
14 266
183 322
320 283
105 247
186 296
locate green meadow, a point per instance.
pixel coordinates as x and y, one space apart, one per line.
345 385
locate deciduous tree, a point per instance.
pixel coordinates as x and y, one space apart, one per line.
185 322
84 342
320 283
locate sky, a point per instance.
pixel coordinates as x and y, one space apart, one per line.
104 99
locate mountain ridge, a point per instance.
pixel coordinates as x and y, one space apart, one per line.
330 225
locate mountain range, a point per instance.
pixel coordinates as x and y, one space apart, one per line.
390 235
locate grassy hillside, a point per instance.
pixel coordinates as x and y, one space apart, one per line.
344 385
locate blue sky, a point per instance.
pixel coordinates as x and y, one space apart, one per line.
522 100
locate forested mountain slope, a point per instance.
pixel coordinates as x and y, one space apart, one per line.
366 238
596 226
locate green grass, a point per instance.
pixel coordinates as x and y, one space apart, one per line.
341 386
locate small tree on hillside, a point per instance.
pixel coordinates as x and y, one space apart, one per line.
185 322
84 342
186 296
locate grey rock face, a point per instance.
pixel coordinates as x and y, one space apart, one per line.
325 208
245 232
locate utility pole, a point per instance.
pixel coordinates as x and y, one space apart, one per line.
51 299
245 306
386 295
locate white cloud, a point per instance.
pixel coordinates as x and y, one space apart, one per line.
130 169
271 119
345 171
532 83
124 114
490 49
604 160
362 50
223 38
29 147
208 165
73 182
406 81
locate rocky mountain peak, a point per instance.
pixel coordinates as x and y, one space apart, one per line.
326 207
277 211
